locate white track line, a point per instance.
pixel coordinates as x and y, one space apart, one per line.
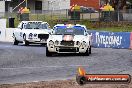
45 67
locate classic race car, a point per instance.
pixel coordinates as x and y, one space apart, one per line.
69 39
31 32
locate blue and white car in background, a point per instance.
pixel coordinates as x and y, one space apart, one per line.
31 32
69 39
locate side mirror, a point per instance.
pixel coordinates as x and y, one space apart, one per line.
86 34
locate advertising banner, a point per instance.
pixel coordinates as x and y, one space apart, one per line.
111 39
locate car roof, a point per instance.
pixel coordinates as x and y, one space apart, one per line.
70 25
32 21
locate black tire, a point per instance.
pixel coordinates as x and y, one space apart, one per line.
80 80
87 52
48 54
90 50
25 42
15 42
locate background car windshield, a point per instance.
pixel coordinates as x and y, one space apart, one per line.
35 25
73 30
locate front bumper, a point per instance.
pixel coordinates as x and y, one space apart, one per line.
37 40
66 49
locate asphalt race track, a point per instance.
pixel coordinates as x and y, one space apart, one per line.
29 63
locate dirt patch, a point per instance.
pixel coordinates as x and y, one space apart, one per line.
63 84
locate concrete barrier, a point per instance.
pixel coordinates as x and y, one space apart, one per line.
2 29
9 32
5 33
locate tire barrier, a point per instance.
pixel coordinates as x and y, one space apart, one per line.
111 39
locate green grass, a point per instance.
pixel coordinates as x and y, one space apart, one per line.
116 29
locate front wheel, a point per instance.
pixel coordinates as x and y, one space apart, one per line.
15 42
87 52
25 42
90 50
48 54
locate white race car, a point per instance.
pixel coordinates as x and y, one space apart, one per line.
69 39
31 32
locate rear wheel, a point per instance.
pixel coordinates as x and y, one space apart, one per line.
25 42
48 54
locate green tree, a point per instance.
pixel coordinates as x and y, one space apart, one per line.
117 3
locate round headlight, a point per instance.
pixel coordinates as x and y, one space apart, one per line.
56 42
84 43
77 43
51 43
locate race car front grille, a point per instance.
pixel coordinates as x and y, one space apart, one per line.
68 50
67 43
43 36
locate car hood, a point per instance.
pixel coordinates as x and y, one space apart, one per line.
61 37
37 31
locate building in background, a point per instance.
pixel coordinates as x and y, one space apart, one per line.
8 5
87 3
56 4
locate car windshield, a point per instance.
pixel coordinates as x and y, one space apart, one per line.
76 30
35 25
